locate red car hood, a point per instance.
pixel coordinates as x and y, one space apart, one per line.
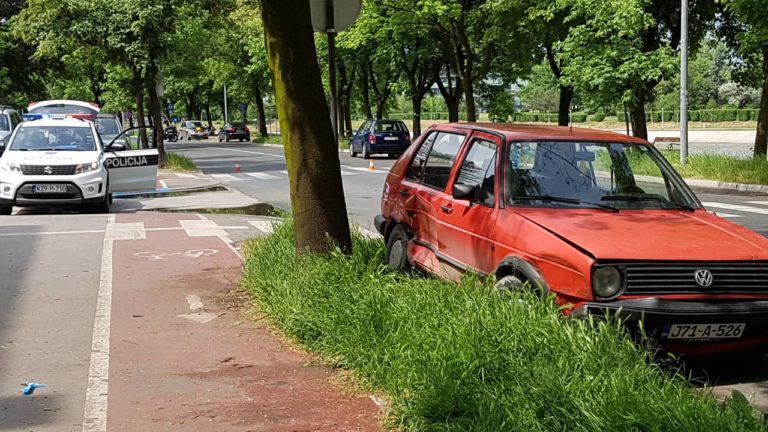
652 234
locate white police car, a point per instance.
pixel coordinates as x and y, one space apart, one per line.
63 162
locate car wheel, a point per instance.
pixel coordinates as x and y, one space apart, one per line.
392 155
99 207
227 139
6 210
352 152
397 249
366 152
510 283
219 139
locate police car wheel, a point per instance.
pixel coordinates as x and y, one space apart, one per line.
6 210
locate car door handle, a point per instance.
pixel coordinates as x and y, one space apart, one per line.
404 193
446 209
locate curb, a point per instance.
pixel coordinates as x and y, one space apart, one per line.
160 193
728 186
279 145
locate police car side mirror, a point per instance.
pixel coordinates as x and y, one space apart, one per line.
117 146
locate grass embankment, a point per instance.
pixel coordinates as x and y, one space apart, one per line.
463 357
716 167
178 162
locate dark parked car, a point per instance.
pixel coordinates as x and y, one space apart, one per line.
232 131
389 137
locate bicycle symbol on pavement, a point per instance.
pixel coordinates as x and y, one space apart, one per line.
193 254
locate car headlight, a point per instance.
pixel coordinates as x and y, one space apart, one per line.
10 167
607 282
84 168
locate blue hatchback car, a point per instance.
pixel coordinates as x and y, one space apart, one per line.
389 137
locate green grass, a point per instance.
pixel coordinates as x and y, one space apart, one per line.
178 162
464 357
715 167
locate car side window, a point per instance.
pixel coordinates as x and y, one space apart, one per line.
440 160
364 127
416 170
479 170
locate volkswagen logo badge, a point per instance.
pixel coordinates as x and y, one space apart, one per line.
703 278
48 170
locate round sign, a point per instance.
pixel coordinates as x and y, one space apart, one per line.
345 12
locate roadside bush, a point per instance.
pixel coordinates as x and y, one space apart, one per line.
466 357
598 117
579 117
717 167
178 162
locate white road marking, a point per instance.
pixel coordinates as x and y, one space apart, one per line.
765 203
726 215
202 228
51 233
95 412
194 253
163 184
262 176
195 304
382 170
735 207
126 231
187 176
251 152
267 227
226 177
344 173
198 311
284 172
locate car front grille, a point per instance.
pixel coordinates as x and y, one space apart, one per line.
52 169
679 278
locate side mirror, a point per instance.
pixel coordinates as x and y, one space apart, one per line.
463 192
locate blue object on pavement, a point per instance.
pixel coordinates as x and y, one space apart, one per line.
30 388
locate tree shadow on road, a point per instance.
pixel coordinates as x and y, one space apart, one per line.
25 412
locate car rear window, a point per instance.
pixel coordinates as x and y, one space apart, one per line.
63 109
238 125
108 126
390 126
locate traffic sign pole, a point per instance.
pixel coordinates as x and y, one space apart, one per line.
329 13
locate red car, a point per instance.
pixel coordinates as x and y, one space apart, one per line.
601 220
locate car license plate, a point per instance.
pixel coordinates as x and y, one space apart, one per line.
49 188
391 139
705 331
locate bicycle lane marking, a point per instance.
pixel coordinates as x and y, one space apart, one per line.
170 366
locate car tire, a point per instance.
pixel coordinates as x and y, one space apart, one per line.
366 151
101 207
352 152
393 155
219 139
510 283
6 210
397 249
227 139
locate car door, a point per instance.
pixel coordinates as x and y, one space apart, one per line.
357 138
426 194
131 170
466 225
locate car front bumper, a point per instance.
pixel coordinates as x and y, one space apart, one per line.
16 189
198 135
653 317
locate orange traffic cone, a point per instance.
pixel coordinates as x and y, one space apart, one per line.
371 166
237 166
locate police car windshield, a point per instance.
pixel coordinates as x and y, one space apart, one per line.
4 126
108 126
53 139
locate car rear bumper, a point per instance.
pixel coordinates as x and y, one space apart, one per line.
388 148
653 317
239 135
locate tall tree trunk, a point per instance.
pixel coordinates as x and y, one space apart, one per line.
416 101
348 117
564 112
244 115
365 89
469 98
138 93
380 108
312 155
156 111
639 125
761 138
208 114
260 110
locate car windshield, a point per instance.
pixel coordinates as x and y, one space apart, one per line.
4 124
108 126
612 175
63 109
53 139
192 125
390 126
238 125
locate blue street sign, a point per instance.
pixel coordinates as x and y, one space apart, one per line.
175 120
243 107
170 108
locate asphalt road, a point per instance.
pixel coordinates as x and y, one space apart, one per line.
263 177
